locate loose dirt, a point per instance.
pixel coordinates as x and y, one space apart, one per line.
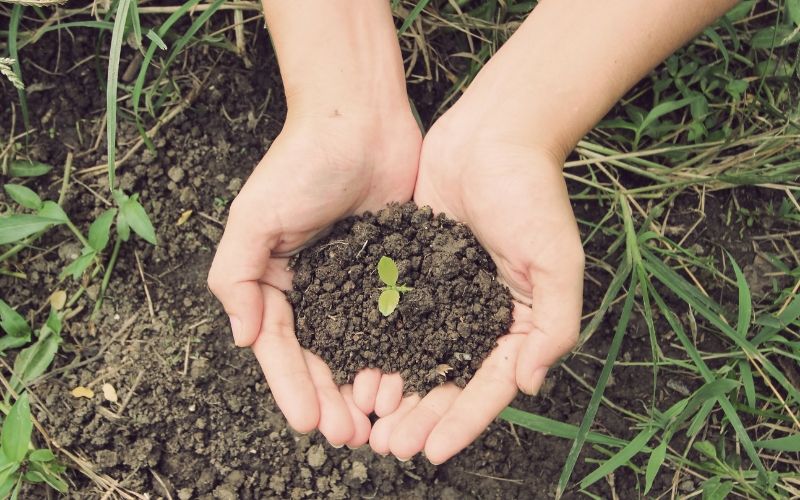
442 329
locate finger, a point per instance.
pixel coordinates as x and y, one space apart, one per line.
365 389
281 359
335 421
241 259
390 392
555 315
361 423
484 397
278 274
382 429
522 319
409 436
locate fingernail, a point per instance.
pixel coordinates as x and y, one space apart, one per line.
537 380
337 446
236 328
403 459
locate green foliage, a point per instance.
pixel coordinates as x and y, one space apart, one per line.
17 331
117 37
390 296
99 234
13 48
18 462
24 196
20 168
34 360
387 271
597 394
153 37
132 215
388 301
17 429
16 227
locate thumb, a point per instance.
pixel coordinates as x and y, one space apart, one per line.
240 262
555 320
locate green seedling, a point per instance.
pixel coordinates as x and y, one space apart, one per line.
19 461
390 296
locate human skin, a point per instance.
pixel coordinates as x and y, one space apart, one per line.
494 161
349 144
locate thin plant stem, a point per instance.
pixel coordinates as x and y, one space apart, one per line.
107 276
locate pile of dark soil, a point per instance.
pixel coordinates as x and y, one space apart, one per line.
442 329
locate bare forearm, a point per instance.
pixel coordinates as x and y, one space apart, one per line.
571 60
335 57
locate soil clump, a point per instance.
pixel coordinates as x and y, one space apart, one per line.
443 328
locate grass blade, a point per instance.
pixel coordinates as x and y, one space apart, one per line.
184 40
654 463
790 444
550 427
708 375
148 57
680 287
747 381
745 300
153 37
622 274
594 403
13 53
117 37
635 446
784 319
412 16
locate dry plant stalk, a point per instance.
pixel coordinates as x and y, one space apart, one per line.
5 68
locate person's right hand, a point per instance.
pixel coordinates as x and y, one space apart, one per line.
321 168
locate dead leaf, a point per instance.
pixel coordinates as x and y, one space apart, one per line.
184 217
82 392
58 299
443 369
109 393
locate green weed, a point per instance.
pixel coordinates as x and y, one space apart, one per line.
19 461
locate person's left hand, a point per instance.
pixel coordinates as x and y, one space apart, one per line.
515 200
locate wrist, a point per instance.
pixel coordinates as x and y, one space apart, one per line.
336 60
476 126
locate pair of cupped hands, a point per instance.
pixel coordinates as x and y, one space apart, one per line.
327 164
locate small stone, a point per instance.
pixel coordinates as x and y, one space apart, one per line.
686 485
277 484
235 478
358 472
316 456
147 158
185 493
234 185
224 493
176 174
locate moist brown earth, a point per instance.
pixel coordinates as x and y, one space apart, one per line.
442 329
